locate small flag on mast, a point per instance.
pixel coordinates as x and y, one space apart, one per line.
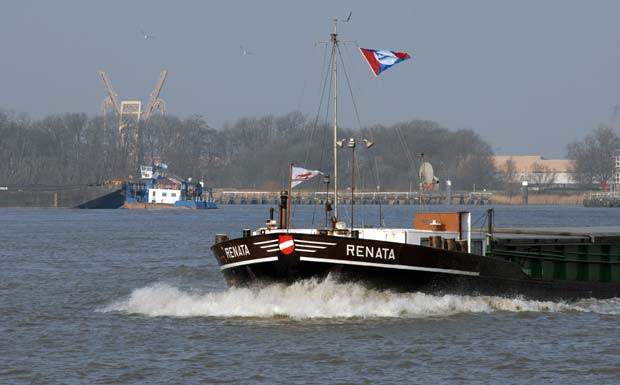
381 60
301 175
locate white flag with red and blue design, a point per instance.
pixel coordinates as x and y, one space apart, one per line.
381 60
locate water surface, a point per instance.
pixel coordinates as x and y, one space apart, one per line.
120 296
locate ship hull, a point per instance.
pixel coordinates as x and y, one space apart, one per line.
388 266
70 196
163 206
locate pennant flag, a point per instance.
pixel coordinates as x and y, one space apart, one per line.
380 60
302 175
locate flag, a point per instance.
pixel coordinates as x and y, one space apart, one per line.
380 60
301 175
286 244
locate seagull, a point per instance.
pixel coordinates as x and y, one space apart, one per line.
146 36
348 17
245 52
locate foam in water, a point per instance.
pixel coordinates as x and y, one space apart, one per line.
328 299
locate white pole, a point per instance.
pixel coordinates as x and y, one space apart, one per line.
334 64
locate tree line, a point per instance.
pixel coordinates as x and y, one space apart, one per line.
73 149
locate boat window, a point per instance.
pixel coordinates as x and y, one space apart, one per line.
423 241
174 194
164 194
154 193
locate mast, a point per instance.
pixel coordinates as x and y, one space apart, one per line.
334 39
335 50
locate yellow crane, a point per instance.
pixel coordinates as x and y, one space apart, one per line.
130 116
110 100
155 101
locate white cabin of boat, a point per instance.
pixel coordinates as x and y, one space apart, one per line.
448 230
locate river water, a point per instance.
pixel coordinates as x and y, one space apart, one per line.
132 297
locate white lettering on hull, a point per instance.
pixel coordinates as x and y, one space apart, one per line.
236 251
360 251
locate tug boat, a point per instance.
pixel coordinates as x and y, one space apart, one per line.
440 254
158 190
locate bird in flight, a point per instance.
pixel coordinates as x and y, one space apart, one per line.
245 52
146 36
348 17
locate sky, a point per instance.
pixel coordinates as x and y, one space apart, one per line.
527 76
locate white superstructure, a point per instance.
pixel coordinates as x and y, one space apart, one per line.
166 196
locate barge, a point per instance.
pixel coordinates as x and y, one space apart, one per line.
440 255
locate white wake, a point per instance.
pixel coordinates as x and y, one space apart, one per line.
329 299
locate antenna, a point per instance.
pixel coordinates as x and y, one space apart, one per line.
425 177
426 174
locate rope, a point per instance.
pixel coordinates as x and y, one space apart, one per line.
318 112
346 75
325 82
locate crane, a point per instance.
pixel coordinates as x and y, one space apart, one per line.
110 101
131 116
155 101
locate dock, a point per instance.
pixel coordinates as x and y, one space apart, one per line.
344 197
602 199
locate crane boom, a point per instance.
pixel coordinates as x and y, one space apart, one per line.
110 91
155 102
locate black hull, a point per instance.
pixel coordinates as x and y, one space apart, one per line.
75 196
247 261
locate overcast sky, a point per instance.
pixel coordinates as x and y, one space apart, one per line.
527 76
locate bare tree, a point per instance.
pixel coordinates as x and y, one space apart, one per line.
542 176
508 177
593 156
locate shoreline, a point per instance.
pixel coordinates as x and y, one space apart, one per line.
539 199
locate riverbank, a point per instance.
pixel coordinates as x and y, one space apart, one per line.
401 198
539 199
